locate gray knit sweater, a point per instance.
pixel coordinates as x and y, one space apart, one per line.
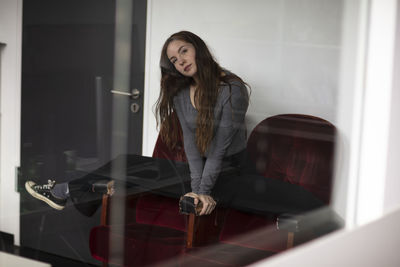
229 133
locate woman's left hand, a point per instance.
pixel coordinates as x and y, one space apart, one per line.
208 204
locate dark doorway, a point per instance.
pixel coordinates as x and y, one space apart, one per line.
67 79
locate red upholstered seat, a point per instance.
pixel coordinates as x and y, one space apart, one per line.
143 244
240 223
297 149
153 231
160 211
177 153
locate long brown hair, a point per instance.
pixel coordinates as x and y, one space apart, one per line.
209 77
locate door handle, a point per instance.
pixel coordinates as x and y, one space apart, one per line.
134 94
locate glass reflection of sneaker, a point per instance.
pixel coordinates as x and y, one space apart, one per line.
43 193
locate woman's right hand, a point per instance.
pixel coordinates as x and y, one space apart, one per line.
208 204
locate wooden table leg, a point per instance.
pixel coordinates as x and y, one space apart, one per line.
290 240
104 210
190 231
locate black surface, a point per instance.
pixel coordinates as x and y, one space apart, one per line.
64 233
66 45
7 245
54 260
257 194
6 242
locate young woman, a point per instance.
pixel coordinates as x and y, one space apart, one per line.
210 102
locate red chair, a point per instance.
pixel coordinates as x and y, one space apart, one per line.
293 151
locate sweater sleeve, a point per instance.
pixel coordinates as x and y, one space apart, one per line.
195 160
233 110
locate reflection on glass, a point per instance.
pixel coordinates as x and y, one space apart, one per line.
264 180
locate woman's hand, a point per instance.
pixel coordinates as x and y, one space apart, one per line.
208 202
193 195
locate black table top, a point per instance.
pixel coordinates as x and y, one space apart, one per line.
247 192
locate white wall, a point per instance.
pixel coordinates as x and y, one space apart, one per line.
331 59
10 91
349 110
392 186
376 110
366 172
288 51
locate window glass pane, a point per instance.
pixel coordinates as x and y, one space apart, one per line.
108 184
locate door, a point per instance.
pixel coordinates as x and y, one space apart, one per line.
70 59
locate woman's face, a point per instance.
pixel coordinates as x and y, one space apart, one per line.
183 56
